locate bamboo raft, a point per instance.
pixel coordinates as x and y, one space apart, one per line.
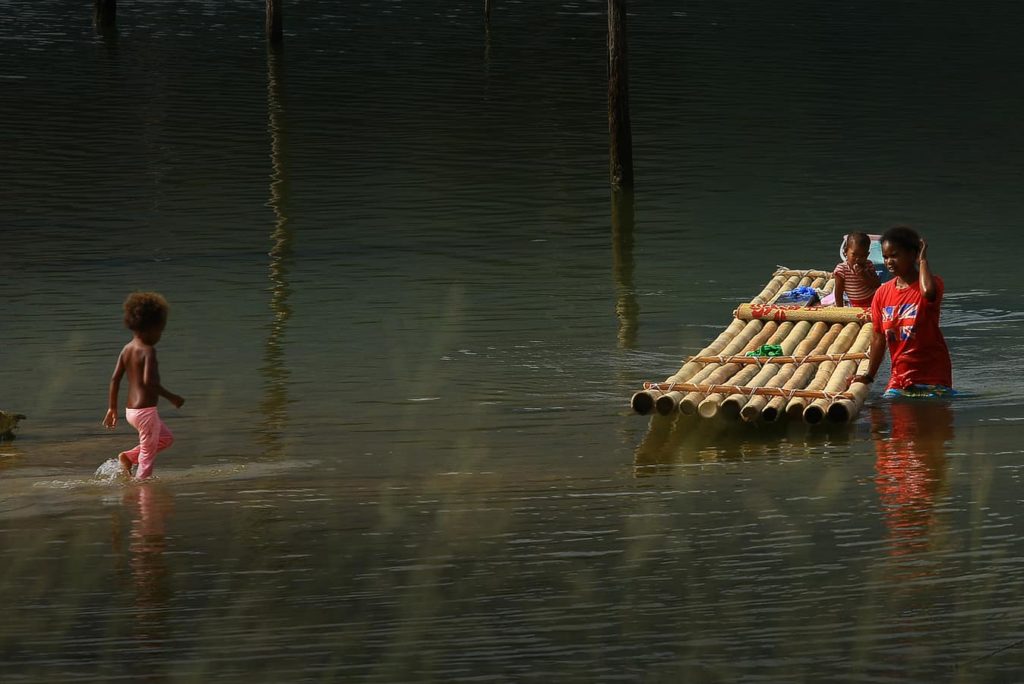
821 347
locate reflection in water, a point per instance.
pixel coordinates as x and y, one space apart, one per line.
275 371
10 455
108 36
911 469
911 478
673 441
653 450
104 16
626 308
487 32
150 504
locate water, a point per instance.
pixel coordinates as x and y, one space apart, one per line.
407 338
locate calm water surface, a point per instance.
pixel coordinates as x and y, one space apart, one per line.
407 334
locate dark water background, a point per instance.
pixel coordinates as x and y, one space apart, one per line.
407 338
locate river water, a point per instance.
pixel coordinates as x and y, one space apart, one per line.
407 334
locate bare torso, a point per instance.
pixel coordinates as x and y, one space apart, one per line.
139 361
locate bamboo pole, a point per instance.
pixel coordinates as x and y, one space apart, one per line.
736 327
620 134
788 284
782 360
811 272
669 403
709 406
845 410
642 402
756 404
787 336
798 377
814 413
850 339
751 410
733 404
715 373
753 391
796 312
773 286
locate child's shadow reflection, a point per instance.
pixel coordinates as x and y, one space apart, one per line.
148 504
911 469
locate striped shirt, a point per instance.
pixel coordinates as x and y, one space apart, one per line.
859 291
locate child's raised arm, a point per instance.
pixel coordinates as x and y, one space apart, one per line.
924 273
869 274
110 419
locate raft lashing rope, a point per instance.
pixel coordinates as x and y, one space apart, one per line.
813 350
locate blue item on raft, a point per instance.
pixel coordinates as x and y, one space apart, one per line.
798 295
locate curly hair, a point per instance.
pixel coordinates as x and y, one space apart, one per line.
903 237
145 311
859 239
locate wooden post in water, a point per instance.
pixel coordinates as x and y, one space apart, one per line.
104 14
619 128
487 31
275 368
275 35
627 309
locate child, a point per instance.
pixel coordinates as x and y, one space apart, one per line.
905 316
856 276
145 314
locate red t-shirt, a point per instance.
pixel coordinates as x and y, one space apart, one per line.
910 324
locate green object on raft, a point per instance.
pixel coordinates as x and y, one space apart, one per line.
767 350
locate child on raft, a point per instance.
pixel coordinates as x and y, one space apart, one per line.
145 314
905 318
855 276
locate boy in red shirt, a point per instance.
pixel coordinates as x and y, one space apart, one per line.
905 316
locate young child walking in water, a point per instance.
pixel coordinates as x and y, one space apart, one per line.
855 276
145 314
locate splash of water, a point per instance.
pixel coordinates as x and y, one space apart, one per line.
109 470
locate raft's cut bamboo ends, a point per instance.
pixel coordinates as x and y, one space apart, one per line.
667 404
642 402
841 411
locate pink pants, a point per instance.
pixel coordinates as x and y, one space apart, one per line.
154 437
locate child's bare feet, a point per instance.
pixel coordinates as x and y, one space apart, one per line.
126 465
